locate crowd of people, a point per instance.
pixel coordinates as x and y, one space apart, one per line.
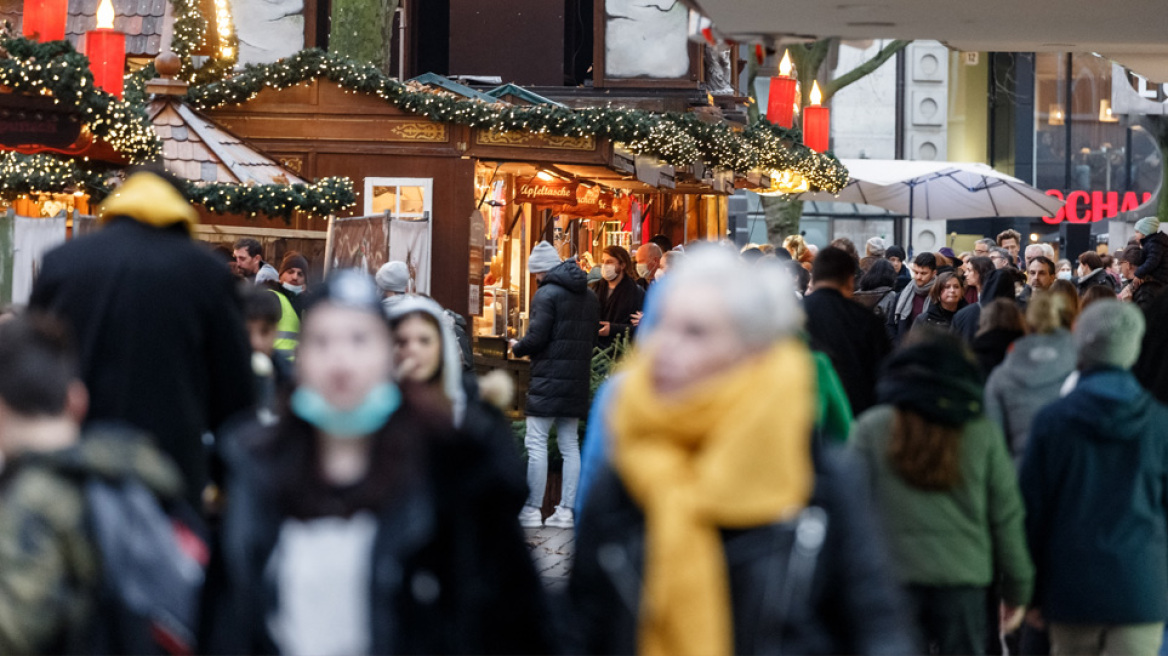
804 451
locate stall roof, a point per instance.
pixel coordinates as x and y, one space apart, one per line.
195 148
525 95
445 83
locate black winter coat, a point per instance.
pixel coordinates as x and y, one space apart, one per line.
160 332
1155 266
998 283
455 524
564 319
853 337
819 584
618 306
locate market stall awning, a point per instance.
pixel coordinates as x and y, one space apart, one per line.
1133 32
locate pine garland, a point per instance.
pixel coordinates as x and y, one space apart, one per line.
680 139
190 32
60 71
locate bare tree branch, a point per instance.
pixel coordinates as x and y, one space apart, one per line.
832 86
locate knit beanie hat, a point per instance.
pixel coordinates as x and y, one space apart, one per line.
874 247
935 379
543 258
294 260
895 251
1109 334
1148 225
393 277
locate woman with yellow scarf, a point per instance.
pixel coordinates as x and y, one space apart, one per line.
713 528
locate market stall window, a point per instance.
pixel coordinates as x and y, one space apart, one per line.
408 203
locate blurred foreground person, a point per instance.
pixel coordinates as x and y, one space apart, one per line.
362 523
1096 487
57 570
157 320
710 529
944 483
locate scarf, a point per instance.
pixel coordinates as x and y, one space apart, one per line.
718 456
905 304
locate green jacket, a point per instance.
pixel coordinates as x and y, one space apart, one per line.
834 415
957 537
49 568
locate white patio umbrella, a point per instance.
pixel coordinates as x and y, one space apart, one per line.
939 190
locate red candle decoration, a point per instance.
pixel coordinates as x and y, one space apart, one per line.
106 49
44 20
816 123
781 99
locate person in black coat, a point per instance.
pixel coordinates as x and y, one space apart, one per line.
850 334
158 320
560 340
619 294
995 284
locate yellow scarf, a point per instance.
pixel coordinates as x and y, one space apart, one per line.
732 452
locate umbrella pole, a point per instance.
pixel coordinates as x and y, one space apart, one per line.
911 195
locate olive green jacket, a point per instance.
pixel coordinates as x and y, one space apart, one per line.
956 537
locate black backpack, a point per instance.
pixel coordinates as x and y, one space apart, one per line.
153 562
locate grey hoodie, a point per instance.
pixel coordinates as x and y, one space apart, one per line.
1027 380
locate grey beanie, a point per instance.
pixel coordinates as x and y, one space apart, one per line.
1109 334
543 258
393 277
1149 225
874 247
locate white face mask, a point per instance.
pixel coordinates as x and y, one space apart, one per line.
608 272
1064 275
642 269
295 289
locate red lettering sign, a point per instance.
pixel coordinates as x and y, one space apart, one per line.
1090 207
543 192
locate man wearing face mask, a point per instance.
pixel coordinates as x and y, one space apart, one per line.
648 262
293 275
619 294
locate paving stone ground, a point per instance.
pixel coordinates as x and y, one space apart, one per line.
551 549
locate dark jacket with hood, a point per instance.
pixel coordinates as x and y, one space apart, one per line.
853 337
617 306
565 316
1150 369
938 317
818 584
1155 266
1028 379
998 283
160 331
1095 481
1096 277
50 568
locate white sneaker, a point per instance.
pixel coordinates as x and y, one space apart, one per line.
562 518
530 517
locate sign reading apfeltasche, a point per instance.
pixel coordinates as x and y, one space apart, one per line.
538 191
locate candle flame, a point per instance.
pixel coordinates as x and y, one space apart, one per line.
105 15
785 65
816 95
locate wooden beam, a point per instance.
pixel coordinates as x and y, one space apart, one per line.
276 233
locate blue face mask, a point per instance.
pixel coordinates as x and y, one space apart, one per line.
369 415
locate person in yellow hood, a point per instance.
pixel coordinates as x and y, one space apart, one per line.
713 528
158 321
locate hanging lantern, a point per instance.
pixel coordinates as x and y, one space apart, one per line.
44 20
816 122
106 49
781 99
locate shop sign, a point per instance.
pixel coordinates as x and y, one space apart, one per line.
587 203
605 203
35 121
1092 206
539 191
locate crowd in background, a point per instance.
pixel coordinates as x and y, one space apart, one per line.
804 451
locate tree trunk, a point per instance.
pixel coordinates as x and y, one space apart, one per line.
782 217
362 30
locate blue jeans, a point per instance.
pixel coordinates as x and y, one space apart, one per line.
537 458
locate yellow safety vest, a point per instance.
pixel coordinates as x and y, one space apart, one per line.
288 330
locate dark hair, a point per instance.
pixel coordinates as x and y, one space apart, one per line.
1091 259
982 265
623 256
801 276
1107 260
1046 262
935 292
1133 255
925 454
37 365
223 252
751 254
260 304
252 245
833 264
1009 234
846 245
1095 293
880 274
927 260
1002 313
665 243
